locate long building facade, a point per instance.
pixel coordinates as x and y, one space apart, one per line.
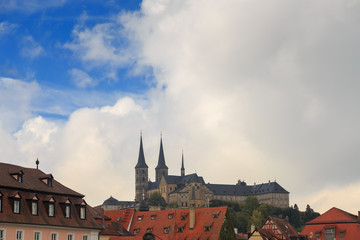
183 189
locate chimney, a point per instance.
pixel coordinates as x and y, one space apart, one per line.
236 231
252 229
192 217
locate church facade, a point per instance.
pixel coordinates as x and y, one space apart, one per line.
185 190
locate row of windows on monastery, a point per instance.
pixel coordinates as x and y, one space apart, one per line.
38 235
16 203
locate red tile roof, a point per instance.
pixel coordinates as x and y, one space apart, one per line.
208 223
277 228
338 219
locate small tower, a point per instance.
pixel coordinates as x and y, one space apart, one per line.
161 169
182 165
141 174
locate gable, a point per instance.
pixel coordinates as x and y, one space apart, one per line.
334 215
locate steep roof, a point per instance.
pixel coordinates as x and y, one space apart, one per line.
33 188
334 215
161 161
141 159
32 181
173 220
246 190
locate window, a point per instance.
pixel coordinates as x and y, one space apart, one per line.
51 209
149 230
67 211
183 217
342 234
2 234
70 236
54 236
139 218
136 231
16 205
85 237
0 204
37 235
20 178
82 212
329 233
153 217
34 208
170 216
180 229
166 230
207 229
19 235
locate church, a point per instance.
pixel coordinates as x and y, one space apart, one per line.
190 189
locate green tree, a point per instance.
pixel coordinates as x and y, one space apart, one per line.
251 203
156 200
257 219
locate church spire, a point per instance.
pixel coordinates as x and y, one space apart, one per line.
182 165
141 160
161 161
161 169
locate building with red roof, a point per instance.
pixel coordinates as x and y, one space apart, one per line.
275 229
201 223
333 224
33 205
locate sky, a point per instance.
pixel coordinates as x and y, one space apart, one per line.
249 90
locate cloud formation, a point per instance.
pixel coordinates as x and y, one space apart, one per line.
250 90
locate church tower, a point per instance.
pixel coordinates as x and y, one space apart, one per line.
161 169
141 174
182 165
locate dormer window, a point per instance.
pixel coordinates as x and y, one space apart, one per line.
180 229
170 216
67 209
149 230
207 228
166 230
16 206
34 205
47 179
18 176
82 210
140 218
136 231
51 207
153 217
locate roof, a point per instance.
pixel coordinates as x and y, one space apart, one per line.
125 215
33 188
161 161
178 180
141 159
334 215
157 221
336 218
246 190
31 181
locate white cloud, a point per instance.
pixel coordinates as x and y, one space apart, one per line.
250 90
81 78
6 27
31 48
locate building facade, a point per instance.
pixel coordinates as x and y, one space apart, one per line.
34 206
185 189
333 224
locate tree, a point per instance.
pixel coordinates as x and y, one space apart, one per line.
157 200
251 203
257 219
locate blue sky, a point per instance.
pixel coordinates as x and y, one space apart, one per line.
250 90
33 47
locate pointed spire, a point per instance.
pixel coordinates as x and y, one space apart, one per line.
141 160
161 161
37 163
182 165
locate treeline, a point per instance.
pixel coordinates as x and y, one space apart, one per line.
251 212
